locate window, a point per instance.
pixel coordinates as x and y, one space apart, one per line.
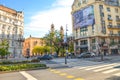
119 33
35 43
111 32
109 17
102 15
108 9
93 40
116 10
117 18
83 42
112 40
110 23
118 25
76 33
84 1
101 6
76 42
119 41
83 31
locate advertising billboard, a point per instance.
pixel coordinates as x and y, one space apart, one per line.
84 17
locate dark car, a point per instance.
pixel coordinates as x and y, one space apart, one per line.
86 55
45 57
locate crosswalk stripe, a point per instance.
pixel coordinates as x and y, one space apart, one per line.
100 66
117 74
88 67
105 68
27 75
95 66
110 71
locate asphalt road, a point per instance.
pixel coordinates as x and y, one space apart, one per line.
75 69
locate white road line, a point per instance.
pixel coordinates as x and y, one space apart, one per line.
28 76
117 74
92 67
99 66
86 67
110 71
105 68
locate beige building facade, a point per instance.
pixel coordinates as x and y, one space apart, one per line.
11 29
96 26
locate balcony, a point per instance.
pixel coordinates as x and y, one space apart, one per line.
83 45
110 19
113 27
114 35
118 20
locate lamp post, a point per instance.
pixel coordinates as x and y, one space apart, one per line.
66 46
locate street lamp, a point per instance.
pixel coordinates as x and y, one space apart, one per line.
66 46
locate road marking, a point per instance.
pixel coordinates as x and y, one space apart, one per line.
100 66
56 71
102 69
52 70
110 71
117 74
70 76
28 76
78 79
63 74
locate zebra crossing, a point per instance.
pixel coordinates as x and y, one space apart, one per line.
113 68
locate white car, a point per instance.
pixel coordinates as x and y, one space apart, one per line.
86 55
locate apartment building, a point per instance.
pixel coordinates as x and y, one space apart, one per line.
96 26
11 29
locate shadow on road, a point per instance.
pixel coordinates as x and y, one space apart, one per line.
113 78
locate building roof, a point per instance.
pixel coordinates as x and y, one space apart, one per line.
9 10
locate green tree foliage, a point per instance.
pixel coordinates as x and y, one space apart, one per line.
71 47
40 50
54 40
4 45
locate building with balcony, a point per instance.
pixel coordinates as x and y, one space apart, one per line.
11 29
96 26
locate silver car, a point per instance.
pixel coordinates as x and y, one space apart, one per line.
86 55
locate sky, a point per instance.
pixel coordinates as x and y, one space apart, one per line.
40 14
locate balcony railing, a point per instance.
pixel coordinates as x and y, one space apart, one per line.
118 19
111 26
110 19
114 34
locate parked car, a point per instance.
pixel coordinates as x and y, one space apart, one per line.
45 57
86 55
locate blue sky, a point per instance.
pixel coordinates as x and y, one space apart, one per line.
40 14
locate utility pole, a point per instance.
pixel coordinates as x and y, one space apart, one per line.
66 46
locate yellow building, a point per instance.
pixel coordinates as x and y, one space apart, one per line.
30 43
96 26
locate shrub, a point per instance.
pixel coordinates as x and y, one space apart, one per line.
17 67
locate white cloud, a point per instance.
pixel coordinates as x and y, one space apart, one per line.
59 14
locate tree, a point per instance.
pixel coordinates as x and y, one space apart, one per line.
54 40
40 50
4 45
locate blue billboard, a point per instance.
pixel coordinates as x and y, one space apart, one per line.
84 17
